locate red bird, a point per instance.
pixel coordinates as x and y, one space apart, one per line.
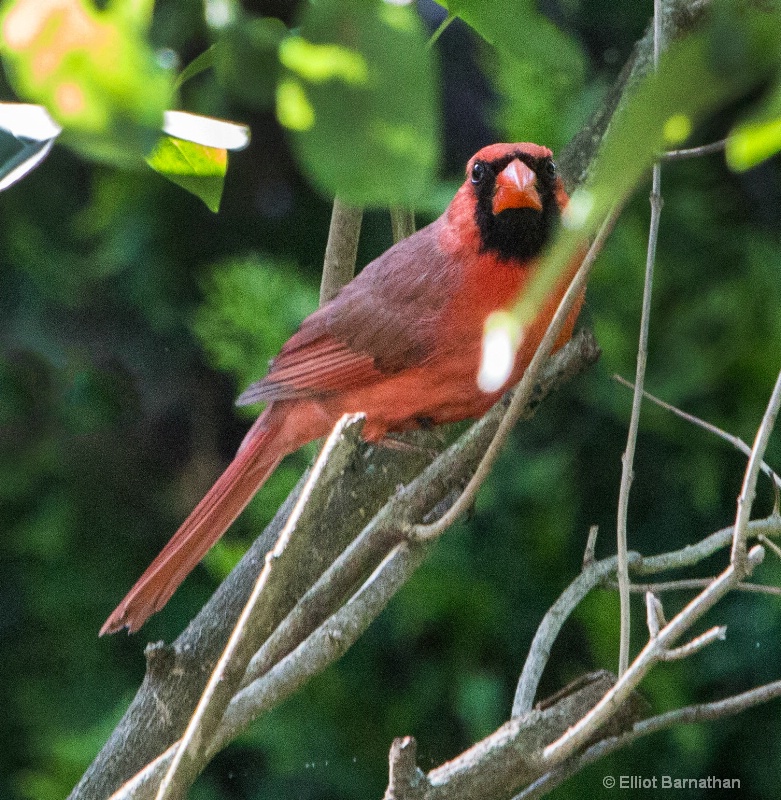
401 342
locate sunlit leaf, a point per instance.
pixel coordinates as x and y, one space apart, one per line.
358 95
195 167
91 69
758 138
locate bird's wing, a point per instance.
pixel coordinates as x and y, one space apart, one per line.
380 323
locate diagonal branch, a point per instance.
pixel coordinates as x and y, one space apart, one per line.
256 620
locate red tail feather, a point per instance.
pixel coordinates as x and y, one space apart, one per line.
254 462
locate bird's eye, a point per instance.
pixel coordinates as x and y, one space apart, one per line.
478 171
550 168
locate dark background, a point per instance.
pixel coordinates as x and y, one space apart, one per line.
130 317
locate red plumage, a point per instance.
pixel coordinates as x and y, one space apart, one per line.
400 343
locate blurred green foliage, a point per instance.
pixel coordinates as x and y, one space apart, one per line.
92 68
131 318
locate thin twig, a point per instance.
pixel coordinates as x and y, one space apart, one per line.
695 553
769 543
523 390
627 460
591 546
593 575
749 489
735 441
688 584
654 614
694 152
718 633
441 29
550 626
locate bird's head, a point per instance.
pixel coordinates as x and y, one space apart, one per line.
516 197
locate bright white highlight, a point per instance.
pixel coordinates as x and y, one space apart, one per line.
218 13
36 131
207 131
28 121
578 209
497 360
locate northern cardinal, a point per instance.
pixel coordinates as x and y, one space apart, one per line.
401 342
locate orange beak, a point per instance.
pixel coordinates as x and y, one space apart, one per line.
515 188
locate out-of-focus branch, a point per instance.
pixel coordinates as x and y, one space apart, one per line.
694 152
341 250
402 223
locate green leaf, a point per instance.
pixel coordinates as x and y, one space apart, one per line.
540 93
358 95
512 26
195 167
93 70
246 60
198 65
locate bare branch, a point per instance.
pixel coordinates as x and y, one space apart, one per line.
405 780
771 544
510 757
628 457
547 632
654 614
591 545
321 649
695 645
594 574
735 441
402 223
687 584
577 736
694 152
